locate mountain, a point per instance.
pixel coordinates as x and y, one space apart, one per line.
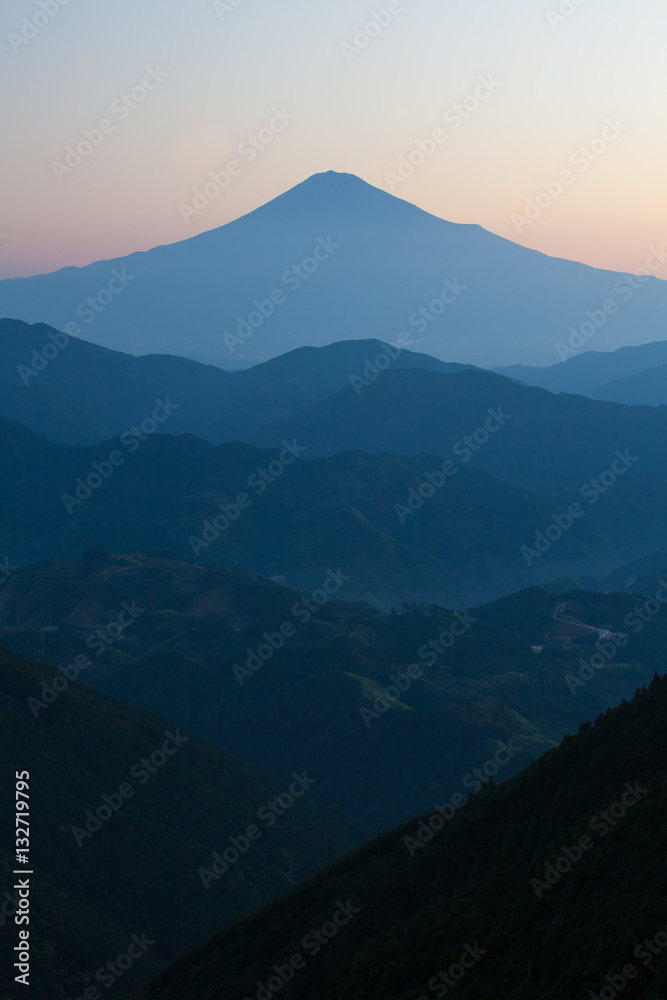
646 388
53 416
106 391
639 576
126 808
386 711
337 258
536 441
86 393
549 886
275 513
588 373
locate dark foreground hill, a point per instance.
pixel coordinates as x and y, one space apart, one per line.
549 887
125 808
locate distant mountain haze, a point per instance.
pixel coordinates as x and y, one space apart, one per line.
595 373
545 444
379 518
646 388
342 397
337 258
74 392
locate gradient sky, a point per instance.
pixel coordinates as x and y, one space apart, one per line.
227 71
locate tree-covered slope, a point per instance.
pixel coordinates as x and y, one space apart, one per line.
248 664
75 392
549 887
125 809
379 517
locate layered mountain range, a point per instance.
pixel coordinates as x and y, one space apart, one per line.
338 522
335 258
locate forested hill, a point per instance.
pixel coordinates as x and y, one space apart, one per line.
125 808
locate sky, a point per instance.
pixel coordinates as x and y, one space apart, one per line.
557 103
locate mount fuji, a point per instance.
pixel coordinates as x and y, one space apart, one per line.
332 259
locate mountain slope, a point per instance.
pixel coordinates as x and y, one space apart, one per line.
110 864
341 258
548 887
587 373
646 388
299 518
88 393
536 441
53 416
198 654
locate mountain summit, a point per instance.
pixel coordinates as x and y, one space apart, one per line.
336 258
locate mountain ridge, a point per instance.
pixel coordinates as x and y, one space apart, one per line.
386 260
523 869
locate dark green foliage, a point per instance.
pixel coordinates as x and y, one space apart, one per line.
471 884
302 708
138 873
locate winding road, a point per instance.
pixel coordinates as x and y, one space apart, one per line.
569 620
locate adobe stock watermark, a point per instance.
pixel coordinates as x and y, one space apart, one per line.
292 279
374 368
249 149
607 648
88 309
403 680
5 571
600 824
419 320
464 450
142 771
473 781
591 490
225 7
122 107
582 158
303 610
562 13
454 117
268 815
8 907
366 33
625 289
31 26
98 642
104 470
108 973
615 983
312 943
442 982
258 481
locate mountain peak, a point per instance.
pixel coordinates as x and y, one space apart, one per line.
334 177
343 260
346 191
